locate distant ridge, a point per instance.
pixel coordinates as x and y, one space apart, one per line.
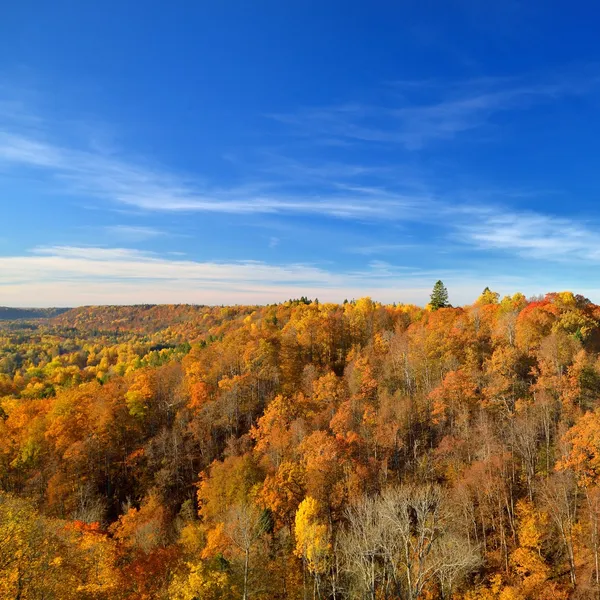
11 314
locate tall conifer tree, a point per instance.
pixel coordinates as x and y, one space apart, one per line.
439 296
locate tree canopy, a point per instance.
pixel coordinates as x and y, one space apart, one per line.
303 450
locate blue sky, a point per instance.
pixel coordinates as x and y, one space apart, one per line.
249 152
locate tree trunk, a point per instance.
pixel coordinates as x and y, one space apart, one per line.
246 562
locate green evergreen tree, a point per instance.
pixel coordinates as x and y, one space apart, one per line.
439 296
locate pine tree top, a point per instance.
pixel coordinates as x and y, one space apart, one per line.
439 296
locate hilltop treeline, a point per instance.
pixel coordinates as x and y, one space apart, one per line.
303 450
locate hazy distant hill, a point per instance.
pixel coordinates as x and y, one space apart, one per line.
146 318
183 321
10 314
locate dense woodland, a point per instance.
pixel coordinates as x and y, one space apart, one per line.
303 450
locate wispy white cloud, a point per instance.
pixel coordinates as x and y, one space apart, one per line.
86 253
428 111
531 235
125 263
149 188
67 275
134 233
20 150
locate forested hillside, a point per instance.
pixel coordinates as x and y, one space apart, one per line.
12 314
303 450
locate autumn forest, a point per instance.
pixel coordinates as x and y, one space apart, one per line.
302 451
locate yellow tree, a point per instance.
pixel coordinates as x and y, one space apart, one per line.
583 457
313 543
527 559
201 582
46 558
